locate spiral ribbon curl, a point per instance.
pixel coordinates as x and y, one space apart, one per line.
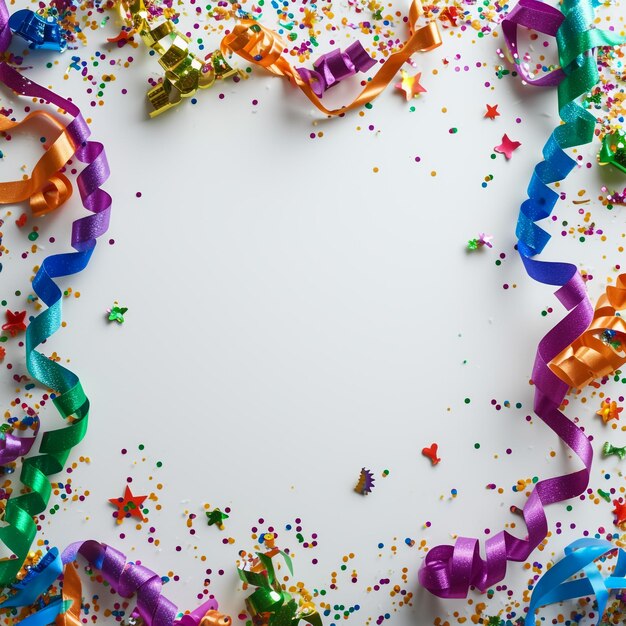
259 45
70 401
184 72
126 578
333 67
580 556
270 605
449 571
601 349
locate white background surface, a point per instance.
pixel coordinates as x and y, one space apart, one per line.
294 316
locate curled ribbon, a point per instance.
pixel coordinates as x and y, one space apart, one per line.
12 447
46 188
41 33
184 72
259 45
70 400
449 571
270 605
335 66
613 151
580 556
601 349
127 578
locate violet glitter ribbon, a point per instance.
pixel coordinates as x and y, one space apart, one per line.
333 67
128 578
12 447
542 18
449 571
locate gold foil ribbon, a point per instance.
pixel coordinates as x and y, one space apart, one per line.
589 357
184 72
259 45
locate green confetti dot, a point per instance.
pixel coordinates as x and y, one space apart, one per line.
159 463
141 446
33 236
467 401
476 446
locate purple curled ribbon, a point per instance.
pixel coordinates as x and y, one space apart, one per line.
331 68
128 579
12 447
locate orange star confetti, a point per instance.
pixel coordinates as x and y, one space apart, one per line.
410 85
620 512
492 112
609 411
507 147
128 506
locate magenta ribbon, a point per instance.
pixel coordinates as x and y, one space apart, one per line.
542 18
128 579
334 66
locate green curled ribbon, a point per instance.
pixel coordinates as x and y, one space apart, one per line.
270 605
613 150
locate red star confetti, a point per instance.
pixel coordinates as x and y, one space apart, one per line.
492 112
620 512
507 147
128 506
410 85
609 411
15 322
431 453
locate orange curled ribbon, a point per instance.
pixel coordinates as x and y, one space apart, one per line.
592 356
259 45
47 188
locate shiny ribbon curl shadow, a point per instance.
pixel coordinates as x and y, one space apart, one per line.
449 571
70 401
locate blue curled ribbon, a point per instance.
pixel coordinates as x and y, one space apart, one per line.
42 33
580 555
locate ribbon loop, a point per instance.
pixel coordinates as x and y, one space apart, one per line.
53 194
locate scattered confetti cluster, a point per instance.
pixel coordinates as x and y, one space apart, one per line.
100 53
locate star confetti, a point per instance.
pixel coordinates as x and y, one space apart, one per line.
15 322
507 147
620 512
128 506
365 483
609 411
480 241
492 112
216 517
116 313
410 85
